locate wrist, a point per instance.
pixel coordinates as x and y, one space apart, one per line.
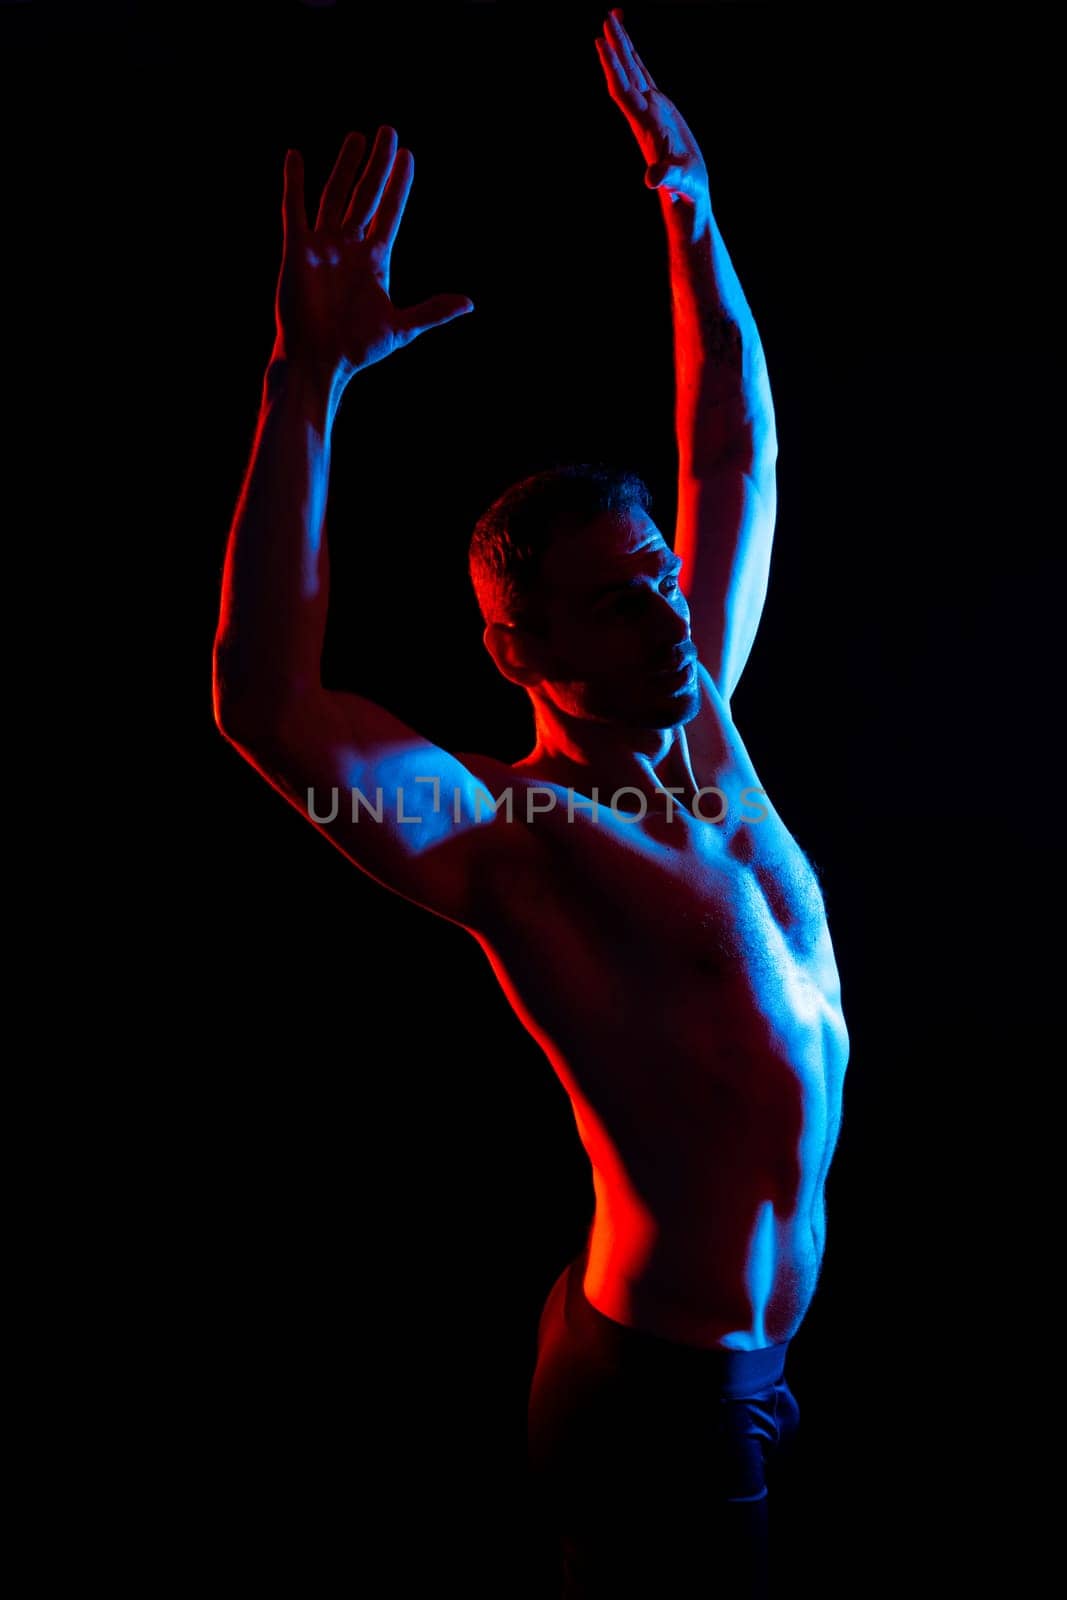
687 221
315 385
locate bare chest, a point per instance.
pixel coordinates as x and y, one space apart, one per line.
653 926
686 890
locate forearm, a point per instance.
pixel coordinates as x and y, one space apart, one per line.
275 589
723 407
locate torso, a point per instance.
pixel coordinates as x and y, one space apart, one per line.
681 979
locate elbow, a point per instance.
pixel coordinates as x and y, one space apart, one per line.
234 722
763 442
253 729
227 721
761 464
229 715
246 720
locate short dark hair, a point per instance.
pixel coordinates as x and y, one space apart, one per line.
511 538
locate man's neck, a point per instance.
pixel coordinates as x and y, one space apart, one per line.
592 755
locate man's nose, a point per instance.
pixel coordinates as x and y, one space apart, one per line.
669 625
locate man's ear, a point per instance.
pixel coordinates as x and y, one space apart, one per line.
519 654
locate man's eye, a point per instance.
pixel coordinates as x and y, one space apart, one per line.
670 585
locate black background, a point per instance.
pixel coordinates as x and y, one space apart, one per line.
342 1177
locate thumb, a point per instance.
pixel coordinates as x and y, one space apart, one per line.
432 313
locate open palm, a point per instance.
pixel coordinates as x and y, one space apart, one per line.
333 309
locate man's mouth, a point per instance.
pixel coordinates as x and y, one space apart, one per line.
679 679
676 677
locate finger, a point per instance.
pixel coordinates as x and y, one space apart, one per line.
619 38
650 81
632 55
432 313
368 191
387 217
618 84
339 183
294 218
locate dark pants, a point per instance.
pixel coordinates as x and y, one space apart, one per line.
649 1458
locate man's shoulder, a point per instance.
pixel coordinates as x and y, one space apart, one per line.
512 786
520 867
495 774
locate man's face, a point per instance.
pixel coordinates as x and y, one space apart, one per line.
617 625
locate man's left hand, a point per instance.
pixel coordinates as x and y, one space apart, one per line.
674 164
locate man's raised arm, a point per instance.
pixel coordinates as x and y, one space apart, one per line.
328 752
333 319
724 416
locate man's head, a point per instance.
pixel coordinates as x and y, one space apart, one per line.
579 593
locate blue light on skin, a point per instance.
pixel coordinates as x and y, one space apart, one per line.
618 625
612 671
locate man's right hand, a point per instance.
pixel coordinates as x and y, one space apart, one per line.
333 311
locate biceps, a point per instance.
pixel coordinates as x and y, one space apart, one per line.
725 528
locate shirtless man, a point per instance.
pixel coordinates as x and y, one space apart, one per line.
653 923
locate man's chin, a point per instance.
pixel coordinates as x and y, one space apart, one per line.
684 710
665 711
